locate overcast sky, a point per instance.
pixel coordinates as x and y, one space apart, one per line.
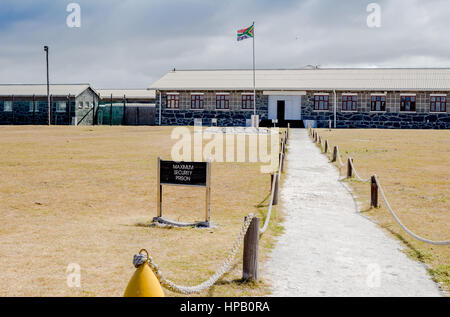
132 43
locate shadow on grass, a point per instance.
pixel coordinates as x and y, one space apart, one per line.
413 252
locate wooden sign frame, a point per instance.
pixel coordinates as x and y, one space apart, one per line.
206 185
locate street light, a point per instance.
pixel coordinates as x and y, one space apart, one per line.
48 86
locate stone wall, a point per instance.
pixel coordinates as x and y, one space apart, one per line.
235 116
392 118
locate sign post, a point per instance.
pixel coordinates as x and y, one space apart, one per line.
191 174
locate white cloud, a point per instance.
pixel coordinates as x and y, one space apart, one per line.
133 43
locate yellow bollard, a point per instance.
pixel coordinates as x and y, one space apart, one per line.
144 283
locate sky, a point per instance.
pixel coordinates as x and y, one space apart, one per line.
132 43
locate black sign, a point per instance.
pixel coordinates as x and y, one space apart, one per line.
183 173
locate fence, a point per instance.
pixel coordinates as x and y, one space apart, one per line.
375 186
249 235
125 114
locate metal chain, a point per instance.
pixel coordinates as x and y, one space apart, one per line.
412 234
187 290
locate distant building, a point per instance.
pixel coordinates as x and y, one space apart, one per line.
27 104
77 104
126 106
356 97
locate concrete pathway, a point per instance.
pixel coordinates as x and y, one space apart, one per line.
328 248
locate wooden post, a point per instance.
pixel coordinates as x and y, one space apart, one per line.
158 190
373 192
349 168
275 193
335 154
208 192
281 162
326 146
251 242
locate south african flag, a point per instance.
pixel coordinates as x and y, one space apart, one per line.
246 33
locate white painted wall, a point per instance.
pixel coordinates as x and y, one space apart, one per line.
293 105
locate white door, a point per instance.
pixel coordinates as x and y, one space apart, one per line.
293 107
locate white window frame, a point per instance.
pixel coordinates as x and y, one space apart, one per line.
10 106
328 101
31 106
351 95
58 109
378 95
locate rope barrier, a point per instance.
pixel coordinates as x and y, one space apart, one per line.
396 218
356 173
272 194
412 234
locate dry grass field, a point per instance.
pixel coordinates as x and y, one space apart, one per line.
414 169
86 195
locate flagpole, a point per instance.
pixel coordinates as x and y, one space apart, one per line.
254 77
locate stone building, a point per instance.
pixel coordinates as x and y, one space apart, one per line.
347 98
28 104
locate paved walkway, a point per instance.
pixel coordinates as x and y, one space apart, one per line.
328 248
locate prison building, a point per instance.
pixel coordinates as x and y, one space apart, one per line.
407 98
126 107
28 104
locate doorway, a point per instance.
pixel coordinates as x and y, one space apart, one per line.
281 110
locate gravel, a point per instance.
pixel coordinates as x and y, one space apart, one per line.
329 248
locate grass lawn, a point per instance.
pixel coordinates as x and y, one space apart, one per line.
86 194
413 167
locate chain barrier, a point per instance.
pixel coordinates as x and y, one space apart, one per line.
140 259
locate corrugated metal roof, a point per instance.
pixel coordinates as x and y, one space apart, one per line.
129 93
41 90
383 79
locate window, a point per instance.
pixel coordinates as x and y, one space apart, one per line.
7 106
61 106
247 101
321 102
173 101
378 103
438 104
30 106
80 105
196 101
407 103
349 102
222 102
86 105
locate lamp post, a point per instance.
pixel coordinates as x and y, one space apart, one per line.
48 86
